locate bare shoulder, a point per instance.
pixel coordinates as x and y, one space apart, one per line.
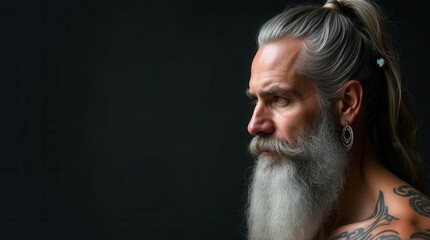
412 208
410 202
401 212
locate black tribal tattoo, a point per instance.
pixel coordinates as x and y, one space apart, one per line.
382 218
421 235
418 201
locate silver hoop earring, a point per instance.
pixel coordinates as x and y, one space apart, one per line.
347 136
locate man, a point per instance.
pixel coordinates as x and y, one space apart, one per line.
334 137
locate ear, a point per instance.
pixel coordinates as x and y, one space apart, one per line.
349 104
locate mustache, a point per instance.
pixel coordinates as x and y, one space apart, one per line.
280 147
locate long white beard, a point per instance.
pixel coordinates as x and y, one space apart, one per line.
294 189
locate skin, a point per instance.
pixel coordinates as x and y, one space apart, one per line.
286 103
282 107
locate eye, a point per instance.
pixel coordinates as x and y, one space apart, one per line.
253 101
280 100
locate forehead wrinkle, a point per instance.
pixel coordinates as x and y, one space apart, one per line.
275 61
279 55
297 86
290 80
275 64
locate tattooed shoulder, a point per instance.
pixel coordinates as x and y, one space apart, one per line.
373 231
386 226
419 202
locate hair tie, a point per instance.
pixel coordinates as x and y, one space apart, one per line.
380 62
333 4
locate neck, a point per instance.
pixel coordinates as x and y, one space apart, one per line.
357 201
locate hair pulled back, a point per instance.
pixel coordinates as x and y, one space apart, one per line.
342 41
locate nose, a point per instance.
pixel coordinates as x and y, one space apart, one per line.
261 122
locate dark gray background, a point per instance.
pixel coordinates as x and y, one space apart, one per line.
127 119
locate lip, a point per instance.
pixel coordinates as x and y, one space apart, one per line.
271 155
266 153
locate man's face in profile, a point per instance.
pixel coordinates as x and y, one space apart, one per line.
300 162
286 102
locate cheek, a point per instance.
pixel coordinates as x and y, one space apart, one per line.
288 124
292 122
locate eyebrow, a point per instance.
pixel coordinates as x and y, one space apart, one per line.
275 90
249 94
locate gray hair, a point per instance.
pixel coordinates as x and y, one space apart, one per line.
342 41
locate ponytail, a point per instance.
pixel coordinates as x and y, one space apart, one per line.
398 152
343 41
